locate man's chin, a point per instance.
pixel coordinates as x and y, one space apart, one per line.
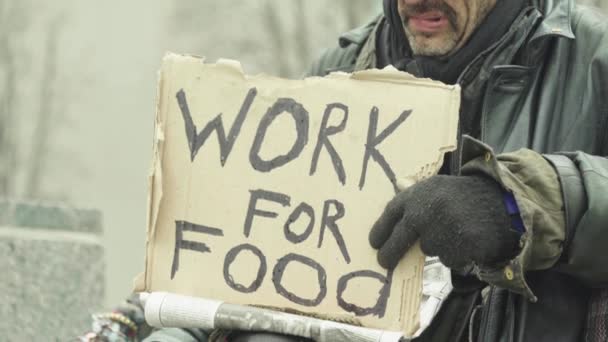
431 46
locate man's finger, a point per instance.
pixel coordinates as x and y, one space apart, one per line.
383 227
395 247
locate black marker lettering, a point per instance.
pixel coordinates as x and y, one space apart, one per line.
377 310
323 140
330 222
197 140
295 215
231 255
374 140
300 117
180 243
252 210
277 277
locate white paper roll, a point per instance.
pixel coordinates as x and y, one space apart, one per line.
167 310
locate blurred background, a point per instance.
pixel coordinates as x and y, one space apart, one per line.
77 102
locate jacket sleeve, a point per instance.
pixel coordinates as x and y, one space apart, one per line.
534 184
584 177
563 203
584 180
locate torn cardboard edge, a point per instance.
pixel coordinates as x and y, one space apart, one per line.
388 74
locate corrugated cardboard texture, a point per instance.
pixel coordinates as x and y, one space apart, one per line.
274 208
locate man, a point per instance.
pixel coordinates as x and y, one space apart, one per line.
532 226
523 231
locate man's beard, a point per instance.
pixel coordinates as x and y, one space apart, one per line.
419 41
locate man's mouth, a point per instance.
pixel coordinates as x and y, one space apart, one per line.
428 22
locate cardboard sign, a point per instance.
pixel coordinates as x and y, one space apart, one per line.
264 190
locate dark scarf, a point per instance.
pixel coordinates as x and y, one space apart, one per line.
393 48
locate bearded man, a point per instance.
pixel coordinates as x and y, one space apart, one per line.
525 231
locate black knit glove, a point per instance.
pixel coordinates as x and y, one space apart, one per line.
459 219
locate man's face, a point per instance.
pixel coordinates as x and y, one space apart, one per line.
439 27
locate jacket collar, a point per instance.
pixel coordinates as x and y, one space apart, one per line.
359 35
557 18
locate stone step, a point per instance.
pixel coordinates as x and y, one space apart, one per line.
53 270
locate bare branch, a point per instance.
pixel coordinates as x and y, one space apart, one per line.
302 32
8 88
275 30
43 129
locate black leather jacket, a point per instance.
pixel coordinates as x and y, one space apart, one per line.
544 86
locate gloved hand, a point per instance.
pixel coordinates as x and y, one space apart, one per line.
459 219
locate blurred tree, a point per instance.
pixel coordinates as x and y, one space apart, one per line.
290 27
13 22
25 70
273 24
43 128
276 37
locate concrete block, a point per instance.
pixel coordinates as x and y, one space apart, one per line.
49 217
52 274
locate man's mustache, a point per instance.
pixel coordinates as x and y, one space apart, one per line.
426 6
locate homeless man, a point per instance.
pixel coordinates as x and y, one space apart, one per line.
522 218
